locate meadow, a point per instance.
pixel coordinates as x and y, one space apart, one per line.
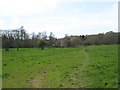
82 67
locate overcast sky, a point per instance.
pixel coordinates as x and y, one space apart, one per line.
72 17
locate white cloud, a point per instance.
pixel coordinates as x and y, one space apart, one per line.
26 7
1 23
90 0
59 25
106 18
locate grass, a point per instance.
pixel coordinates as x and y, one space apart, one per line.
83 67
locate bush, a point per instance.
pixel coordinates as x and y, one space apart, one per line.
41 44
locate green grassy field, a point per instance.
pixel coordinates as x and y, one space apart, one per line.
83 67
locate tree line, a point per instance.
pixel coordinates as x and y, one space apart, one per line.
19 38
